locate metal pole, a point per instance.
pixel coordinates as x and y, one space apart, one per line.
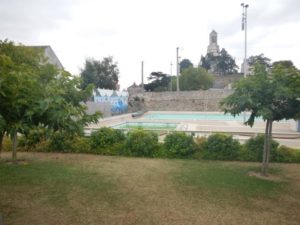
171 76
177 65
142 75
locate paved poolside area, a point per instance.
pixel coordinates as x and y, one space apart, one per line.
284 131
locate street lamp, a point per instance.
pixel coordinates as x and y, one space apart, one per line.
177 66
244 27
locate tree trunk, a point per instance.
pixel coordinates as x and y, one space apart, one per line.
1 140
14 146
269 145
264 167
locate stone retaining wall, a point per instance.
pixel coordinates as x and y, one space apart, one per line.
179 101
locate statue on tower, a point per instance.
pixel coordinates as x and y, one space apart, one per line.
213 47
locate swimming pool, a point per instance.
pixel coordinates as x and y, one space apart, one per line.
146 125
192 116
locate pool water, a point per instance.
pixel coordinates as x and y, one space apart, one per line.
145 125
169 116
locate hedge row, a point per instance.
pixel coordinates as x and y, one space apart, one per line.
107 141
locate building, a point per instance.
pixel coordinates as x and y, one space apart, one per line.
50 55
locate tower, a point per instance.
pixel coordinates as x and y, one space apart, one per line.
213 47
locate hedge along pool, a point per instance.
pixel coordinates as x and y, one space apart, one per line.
175 116
146 125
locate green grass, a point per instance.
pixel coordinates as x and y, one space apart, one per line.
86 189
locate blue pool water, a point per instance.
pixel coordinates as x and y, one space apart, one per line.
146 125
169 116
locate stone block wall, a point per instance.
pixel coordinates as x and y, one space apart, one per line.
179 101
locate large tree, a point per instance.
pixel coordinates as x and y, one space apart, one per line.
35 93
158 82
223 63
273 95
195 79
102 74
185 64
260 59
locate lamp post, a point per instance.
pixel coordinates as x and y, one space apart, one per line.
177 67
171 65
244 27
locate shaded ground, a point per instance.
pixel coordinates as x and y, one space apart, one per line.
87 189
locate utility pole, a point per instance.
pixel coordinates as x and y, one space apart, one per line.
171 76
244 27
177 66
142 75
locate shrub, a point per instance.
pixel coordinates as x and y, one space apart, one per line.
286 154
200 143
107 141
141 143
221 147
179 144
63 142
253 149
6 144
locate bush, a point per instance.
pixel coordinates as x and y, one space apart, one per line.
286 155
221 147
253 149
63 142
179 144
200 143
141 143
107 141
6 144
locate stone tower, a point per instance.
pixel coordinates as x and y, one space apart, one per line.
213 46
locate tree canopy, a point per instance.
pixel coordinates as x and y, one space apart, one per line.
223 63
195 79
102 74
273 95
35 93
159 82
260 59
185 64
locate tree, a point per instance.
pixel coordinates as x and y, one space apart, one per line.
225 63
185 64
195 79
222 63
159 82
261 59
272 95
102 74
35 93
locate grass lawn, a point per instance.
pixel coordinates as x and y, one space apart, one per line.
83 189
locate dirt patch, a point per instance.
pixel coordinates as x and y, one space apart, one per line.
263 177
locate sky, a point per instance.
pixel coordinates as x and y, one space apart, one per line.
133 31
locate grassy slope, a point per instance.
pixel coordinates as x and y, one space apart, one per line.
86 189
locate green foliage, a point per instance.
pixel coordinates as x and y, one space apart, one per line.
63 142
179 144
286 155
222 63
159 82
35 93
185 64
260 59
200 144
107 141
253 149
141 143
221 147
102 74
195 79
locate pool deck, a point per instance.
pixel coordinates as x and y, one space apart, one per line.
283 132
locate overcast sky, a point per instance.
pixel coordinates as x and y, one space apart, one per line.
150 30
